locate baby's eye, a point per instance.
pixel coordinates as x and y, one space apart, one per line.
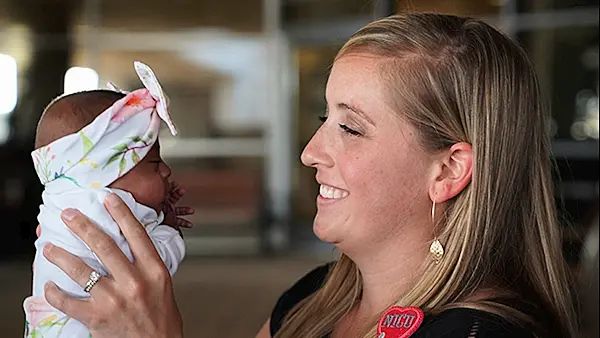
155 163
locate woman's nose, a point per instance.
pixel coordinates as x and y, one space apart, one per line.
315 153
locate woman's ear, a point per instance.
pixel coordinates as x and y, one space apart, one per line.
454 172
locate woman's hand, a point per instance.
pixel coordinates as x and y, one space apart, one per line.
134 300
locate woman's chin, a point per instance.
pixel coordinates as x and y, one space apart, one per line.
327 232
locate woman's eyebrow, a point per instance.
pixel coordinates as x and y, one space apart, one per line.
357 111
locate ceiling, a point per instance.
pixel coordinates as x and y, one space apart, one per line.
143 15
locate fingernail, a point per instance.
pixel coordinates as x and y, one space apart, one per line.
47 248
49 285
69 214
112 200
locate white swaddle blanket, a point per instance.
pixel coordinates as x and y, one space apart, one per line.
76 171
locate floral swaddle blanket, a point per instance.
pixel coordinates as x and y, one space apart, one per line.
76 171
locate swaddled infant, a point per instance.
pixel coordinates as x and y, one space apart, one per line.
88 145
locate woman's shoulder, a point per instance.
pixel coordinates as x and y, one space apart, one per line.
470 323
304 287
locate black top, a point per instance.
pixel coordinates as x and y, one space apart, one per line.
454 323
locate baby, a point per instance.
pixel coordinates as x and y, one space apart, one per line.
88 145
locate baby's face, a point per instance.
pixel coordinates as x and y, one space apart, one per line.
148 181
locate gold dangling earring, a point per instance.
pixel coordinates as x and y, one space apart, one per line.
436 249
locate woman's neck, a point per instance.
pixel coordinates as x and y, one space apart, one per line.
388 277
386 274
390 270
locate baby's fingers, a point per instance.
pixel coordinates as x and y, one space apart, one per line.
184 223
175 195
184 211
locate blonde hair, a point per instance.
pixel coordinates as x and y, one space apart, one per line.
459 80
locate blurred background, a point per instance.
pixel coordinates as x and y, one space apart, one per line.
246 80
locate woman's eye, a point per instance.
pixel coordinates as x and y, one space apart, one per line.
350 131
344 127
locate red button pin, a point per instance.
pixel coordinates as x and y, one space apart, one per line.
400 322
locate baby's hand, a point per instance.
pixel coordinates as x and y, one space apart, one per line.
173 213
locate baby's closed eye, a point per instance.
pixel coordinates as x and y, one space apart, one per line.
155 162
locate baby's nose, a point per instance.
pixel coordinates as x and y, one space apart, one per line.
165 170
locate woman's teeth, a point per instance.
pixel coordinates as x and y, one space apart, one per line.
333 193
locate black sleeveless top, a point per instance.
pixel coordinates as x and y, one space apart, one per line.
454 323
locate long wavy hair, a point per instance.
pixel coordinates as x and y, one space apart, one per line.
455 80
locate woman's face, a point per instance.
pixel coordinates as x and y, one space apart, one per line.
373 174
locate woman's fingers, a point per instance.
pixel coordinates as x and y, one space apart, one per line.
101 244
140 244
68 304
75 268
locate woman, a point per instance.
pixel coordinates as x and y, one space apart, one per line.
434 166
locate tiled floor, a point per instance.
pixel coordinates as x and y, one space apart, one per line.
225 298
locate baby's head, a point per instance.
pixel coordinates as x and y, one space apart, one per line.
148 181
